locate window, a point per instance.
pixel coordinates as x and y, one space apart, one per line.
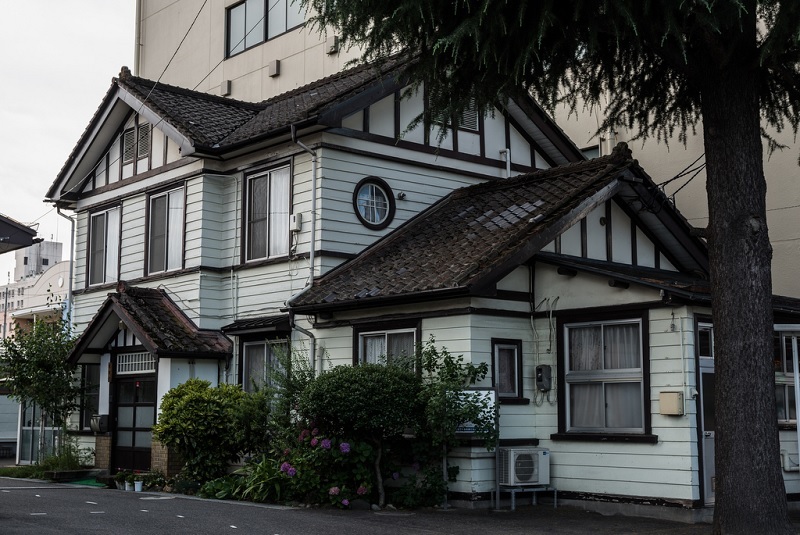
507 367
603 377
380 347
373 202
24 260
786 345
248 25
45 261
259 360
268 214
104 228
166 231
90 393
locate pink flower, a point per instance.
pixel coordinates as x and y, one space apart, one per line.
315 432
346 502
334 491
314 441
361 490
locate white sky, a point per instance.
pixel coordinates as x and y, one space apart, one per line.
57 58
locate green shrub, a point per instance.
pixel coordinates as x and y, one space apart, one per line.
210 427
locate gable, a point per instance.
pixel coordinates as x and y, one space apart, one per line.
530 142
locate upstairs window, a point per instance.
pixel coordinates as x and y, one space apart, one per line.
104 229
166 231
267 214
252 22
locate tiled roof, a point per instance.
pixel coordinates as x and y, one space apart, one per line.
158 323
279 323
472 236
214 122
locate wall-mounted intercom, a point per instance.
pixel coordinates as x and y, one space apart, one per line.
544 378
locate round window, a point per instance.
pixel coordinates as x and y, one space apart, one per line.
374 203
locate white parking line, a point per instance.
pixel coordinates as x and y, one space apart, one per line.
38 514
97 512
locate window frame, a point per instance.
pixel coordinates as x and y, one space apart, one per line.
606 316
173 263
383 328
784 375
85 418
387 191
270 360
264 22
92 249
497 344
248 223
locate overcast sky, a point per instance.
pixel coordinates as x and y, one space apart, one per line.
57 58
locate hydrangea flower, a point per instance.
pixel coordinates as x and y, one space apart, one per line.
291 472
314 441
344 447
346 502
326 443
395 475
361 490
334 491
285 467
314 432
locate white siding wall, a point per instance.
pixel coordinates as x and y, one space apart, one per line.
133 237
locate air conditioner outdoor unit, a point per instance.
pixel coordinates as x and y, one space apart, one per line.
524 466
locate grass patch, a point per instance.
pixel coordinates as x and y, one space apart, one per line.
26 472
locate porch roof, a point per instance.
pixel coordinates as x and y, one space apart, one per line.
156 321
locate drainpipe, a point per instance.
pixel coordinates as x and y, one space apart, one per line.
71 260
507 153
137 37
311 254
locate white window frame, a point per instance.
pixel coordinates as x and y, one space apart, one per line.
785 388
172 247
363 358
111 222
275 216
604 377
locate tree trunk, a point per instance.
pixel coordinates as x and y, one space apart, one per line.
750 494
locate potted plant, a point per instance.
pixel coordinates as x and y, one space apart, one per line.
129 479
137 482
119 478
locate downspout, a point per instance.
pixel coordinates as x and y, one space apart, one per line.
311 252
137 41
71 260
507 153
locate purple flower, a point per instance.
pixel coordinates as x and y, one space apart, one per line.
361 490
344 447
395 475
285 467
345 502
291 472
315 432
314 441
326 443
333 491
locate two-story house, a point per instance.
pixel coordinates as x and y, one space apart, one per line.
213 223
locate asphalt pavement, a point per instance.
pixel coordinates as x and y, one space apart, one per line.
42 508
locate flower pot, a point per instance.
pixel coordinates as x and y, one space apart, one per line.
128 485
137 486
120 485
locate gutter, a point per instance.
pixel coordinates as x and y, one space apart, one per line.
71 261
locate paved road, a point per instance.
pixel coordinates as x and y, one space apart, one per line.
43 508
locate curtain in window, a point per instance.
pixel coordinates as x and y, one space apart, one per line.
622 346
257 216
158 234
97 249
373 348
623 405
254 366
506 370
279 212
175 233
585 348
586 405
112 245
